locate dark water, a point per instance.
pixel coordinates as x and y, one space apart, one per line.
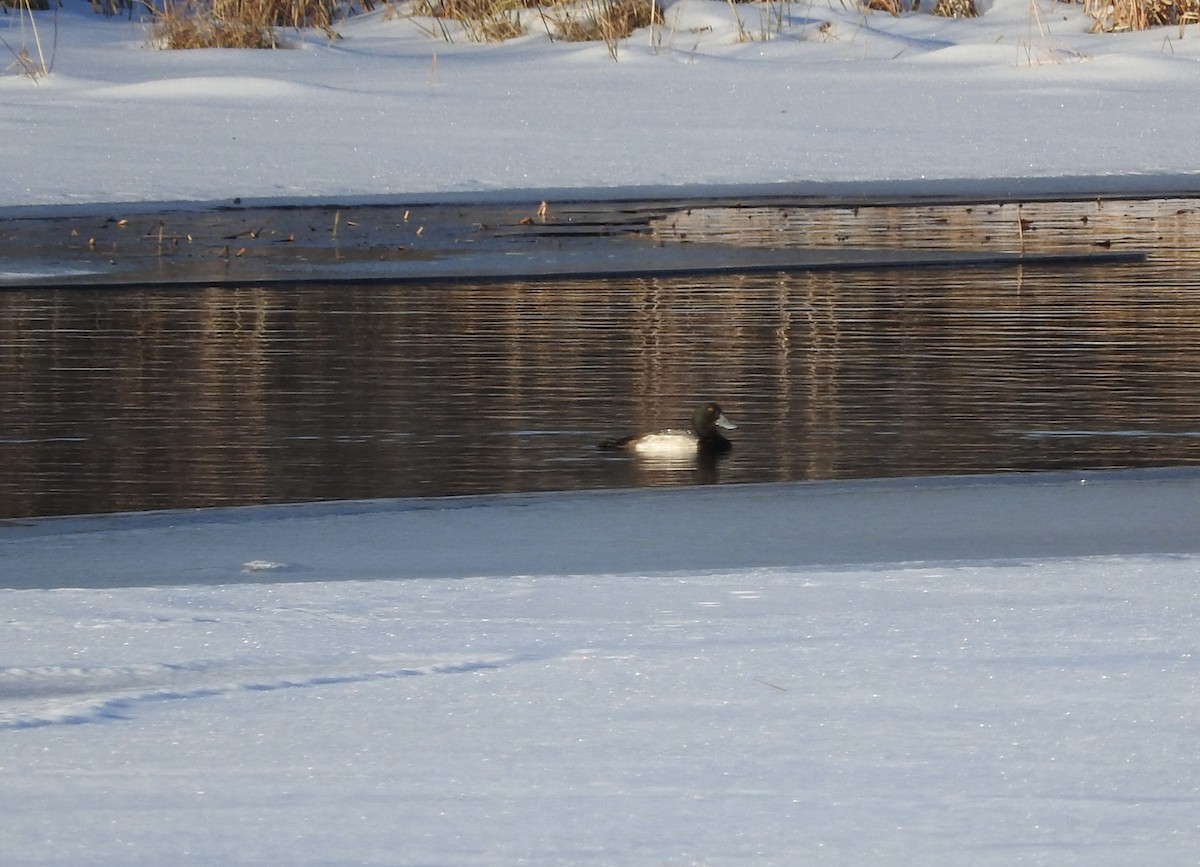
115 400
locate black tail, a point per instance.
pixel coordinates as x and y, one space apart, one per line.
616 445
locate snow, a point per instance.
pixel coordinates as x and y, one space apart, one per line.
991 714
987 671
1022 98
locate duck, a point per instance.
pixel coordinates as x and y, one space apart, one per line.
705 437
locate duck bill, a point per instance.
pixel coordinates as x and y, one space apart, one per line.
725 423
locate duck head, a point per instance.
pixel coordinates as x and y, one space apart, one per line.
707 420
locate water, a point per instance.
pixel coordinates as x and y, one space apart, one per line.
114 400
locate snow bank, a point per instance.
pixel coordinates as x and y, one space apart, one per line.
838 96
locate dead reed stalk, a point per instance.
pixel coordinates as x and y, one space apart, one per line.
241 23
1113 16
607 21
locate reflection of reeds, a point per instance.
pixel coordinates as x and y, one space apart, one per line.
1034 227
1120 15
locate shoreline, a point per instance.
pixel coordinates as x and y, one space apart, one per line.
802 193
551 235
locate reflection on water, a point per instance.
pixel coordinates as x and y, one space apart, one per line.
121 400
1167 225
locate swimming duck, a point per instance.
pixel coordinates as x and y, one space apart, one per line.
705 437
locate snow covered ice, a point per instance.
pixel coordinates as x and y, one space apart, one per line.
993 671
714 676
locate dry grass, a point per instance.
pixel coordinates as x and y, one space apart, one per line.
604 20
240 23
481 20
956 9
943 8
1109 15
1122 15
255 23
187 25
32 63
109 8
184 25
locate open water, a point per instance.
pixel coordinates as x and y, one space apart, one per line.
130 399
